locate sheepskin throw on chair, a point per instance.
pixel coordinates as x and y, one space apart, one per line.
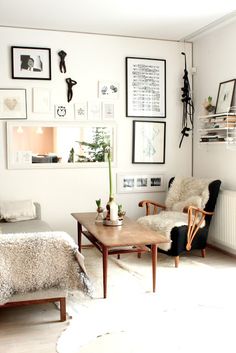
183 192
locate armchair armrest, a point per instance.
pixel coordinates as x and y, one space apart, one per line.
196 216
151 204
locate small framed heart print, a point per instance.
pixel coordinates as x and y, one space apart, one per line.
13 103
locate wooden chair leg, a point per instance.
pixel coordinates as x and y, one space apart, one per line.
203 251
63 309
118 256
139 255
176 261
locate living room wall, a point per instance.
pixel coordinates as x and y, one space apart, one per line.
91 58
214 56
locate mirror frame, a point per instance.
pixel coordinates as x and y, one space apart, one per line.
11 164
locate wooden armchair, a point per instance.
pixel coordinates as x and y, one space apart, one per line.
194 234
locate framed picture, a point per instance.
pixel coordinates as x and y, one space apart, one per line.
41 100
31 63
140 182
80 111
148 142
108 89
94 110
145 87
225 96
60 111
13 103
108 111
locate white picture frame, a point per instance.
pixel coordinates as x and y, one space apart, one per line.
41 100
81 111
94 110
60 112
140 182
108 89
13 103
108 111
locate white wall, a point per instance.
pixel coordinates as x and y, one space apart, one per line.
91 58
215 60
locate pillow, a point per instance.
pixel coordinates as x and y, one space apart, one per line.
14 211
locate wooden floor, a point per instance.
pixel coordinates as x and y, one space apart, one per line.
36 328
31 329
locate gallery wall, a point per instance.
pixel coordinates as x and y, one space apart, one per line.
90 59
214 57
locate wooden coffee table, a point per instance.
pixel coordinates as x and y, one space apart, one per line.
129 238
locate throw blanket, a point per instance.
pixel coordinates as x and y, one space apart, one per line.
164 222
186 192
183 192
34 261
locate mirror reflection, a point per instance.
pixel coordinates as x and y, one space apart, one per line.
31 144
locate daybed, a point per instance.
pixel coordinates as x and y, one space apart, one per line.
28 241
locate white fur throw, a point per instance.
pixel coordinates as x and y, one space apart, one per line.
186 192
183 192
35 261
20 210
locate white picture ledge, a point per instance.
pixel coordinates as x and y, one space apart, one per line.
140 182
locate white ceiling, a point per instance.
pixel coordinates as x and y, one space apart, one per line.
165 19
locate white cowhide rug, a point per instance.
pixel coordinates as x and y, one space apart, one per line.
193 309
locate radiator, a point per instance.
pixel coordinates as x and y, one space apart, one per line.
222 231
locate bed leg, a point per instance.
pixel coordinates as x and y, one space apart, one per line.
63 309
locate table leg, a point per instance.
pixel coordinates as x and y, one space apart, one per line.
79 233
105 258
154 266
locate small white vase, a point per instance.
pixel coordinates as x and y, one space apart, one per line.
113 211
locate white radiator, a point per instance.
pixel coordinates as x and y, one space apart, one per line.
223 225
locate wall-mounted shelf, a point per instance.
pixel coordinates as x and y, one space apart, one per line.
217 129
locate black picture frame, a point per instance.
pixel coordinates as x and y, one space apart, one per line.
145 87
225 96
31 63
149 140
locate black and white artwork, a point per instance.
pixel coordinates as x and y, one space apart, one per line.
60 112
140 182
108 89
31 63
145 87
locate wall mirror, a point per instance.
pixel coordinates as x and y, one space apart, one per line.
59 144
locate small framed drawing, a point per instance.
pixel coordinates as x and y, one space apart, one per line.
80 111
31 63
108 89
13 103
140 182
225 96
107 111
60 112
148 142
145 87
41 100
94 110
